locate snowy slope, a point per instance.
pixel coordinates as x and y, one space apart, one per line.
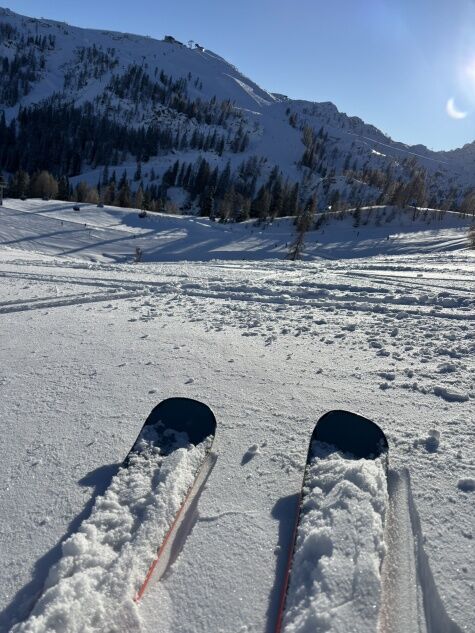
218 76
113 234
89 348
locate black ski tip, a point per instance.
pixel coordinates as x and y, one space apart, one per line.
351 433
184 415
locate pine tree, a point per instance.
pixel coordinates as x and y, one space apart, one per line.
63 188
82 191
224 181
123 195
277 200
304 222
105 176
206 201
261 204
109 196
19 185
139 198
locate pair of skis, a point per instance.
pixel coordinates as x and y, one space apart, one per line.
341 431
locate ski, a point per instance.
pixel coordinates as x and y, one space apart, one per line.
132 526
173 424
338 437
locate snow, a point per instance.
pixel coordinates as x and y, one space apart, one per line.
89 346
335 582
467 485
103 565
113 234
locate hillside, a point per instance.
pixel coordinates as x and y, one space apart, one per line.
113 234
164 126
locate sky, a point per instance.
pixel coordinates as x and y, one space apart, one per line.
405 66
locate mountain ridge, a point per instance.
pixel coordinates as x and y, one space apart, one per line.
136 82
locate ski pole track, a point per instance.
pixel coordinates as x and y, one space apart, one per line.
411 283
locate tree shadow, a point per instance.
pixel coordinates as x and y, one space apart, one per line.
284 511
22 603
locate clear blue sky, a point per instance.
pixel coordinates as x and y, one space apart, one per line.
407 66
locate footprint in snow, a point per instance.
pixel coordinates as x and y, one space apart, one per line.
466 485
251 452
432 441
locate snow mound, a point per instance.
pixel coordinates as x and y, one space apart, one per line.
335 576
92 587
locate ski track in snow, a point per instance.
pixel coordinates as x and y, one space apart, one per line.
89 347
411 600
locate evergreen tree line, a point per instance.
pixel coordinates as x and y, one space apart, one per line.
409 185
399 191
218 193
137 86
9 33
20 71
17 75
90 62
314 143
61 138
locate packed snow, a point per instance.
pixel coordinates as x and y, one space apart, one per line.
335 582
90 346
93 586
112 234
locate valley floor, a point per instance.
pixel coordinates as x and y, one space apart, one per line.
88 349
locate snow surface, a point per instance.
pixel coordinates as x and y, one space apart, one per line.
89 347
113 234
335 582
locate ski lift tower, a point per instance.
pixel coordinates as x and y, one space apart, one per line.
3 184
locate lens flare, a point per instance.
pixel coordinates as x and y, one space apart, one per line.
453 111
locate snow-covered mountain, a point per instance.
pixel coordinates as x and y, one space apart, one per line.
185 127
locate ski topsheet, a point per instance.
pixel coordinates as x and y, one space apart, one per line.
174 423
105 566
333 571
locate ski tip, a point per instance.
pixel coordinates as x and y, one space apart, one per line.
351 433
185 415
